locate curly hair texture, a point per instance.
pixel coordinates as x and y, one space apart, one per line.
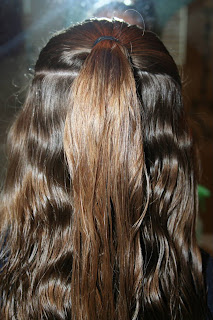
100 200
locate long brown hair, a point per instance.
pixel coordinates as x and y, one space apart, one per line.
100 202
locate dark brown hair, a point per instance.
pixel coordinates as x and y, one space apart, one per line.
100 201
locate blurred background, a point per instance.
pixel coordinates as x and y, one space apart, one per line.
186 28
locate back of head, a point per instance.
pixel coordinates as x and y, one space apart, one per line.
100 202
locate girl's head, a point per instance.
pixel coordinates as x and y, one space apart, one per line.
100 201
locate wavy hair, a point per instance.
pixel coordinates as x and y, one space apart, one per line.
100 202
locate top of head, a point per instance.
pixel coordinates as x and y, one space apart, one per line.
145 50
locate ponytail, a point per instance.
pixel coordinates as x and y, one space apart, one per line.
103 145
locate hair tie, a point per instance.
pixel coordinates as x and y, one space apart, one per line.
105 38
